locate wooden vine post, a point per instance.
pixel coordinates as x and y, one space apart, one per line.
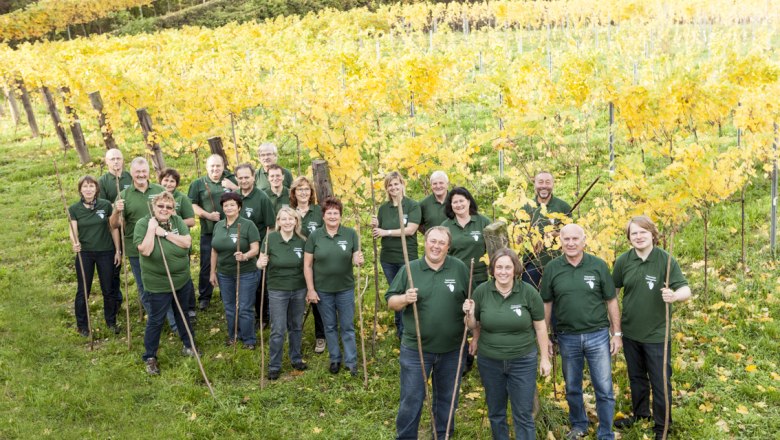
28 108
105 129
322 183
13 106
75 127
496 237
55 117
216 147
154 147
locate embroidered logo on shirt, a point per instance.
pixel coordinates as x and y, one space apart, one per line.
650 281
450 284
234 237
101 213
343 244
475 235
312 226
406 219
298 252
249 212
517 308
590 280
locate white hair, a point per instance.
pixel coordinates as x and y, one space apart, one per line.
139 161
439 175
265 145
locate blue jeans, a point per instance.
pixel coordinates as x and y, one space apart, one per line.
644 361
595 348
205 289
104 262
391 270
287 309
338 315
135 266
159 303
442 368
246 305
515 379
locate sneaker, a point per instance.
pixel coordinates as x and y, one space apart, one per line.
575 434
83 332
249 346
273 374
229 342
187 351
300 366
334 367
353 370
152 368
628 422
319 346
203 304
192 316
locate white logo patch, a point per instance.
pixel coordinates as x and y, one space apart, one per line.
650 281
590 280
101 213
249 212
343 244
518 309
312 226
475 235
298 252
450 284
406 219
234 237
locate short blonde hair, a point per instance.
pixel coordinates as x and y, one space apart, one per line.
292 213
393 175
643 222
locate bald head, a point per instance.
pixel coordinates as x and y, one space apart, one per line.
573 242
115 161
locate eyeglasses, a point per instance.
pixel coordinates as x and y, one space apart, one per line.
303 189
166 207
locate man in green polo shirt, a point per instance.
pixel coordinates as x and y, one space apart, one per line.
256 206
545 212
115 163
204 194
278 193
269 155
432 207
578 287
132 205
440 287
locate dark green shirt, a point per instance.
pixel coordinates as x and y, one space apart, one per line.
540 221
278 201
431 213
224 242
107 184
152 268
578 293
285 262
507 324
258 207
643 308
440 296
93 228
392 251
332 259
312 220
261 178
137 206
206 193
468 242
183 205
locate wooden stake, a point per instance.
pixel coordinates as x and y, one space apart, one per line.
667 409
124 268
262 298
460 360
376 269
238 283
97 104
360 311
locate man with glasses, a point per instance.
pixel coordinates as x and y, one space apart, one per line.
268 154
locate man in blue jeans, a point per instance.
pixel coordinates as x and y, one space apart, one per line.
578 287
441 283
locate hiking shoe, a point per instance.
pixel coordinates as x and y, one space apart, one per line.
229 342
152 368
187 351
300 366
84 332
575 434
193 316
628 422
273 374
114 329
319 346
334 367
249 346
353 370
203 304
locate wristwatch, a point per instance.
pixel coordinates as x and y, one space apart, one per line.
165 235
617 334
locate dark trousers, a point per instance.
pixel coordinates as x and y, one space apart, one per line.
159 304
644 361
319 328
104 262
264 294
205 289
391 270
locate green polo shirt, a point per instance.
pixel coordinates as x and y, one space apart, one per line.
540 220
224 242
392 251
278 201
578 293
256 206
183 205
312 220
261 178
440 296
333 259
107 184
643 308
285 262
507 324
206 193
152 268
93 228
468 242
137 206
431 213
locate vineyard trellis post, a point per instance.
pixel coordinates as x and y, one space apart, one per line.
28 108
215 145
773 229
13 106
611 138
105 130
75 127
55 117
153 146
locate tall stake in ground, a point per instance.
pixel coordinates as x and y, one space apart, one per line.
360 310
400 201
460 359
262 300
376 269
238 285
124 268
667 318
75 237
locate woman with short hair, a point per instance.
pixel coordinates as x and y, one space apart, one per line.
466 225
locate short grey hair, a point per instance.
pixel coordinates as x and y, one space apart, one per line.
439 175
139 161
265 145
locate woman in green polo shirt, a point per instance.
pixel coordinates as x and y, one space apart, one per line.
163 242
510 314
387 227
99 247
641 273
286 288
466 225
304 201
329 255
169 179
225 261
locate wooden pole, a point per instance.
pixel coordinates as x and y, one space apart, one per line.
13 106
28 109
235 140
376 269
55 117
773 226
496 237
360 310
238 284
215 145
146 126
262 298
75 127
105 129
322 182
667 348
460 359
78 255
124 269
611 138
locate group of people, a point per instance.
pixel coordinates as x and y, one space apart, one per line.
263 224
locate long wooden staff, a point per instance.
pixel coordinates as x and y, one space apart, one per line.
78 255
184 318
400 200
360 310
124 268
262 297
582 197
376 270
238 285
667 409
460 359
